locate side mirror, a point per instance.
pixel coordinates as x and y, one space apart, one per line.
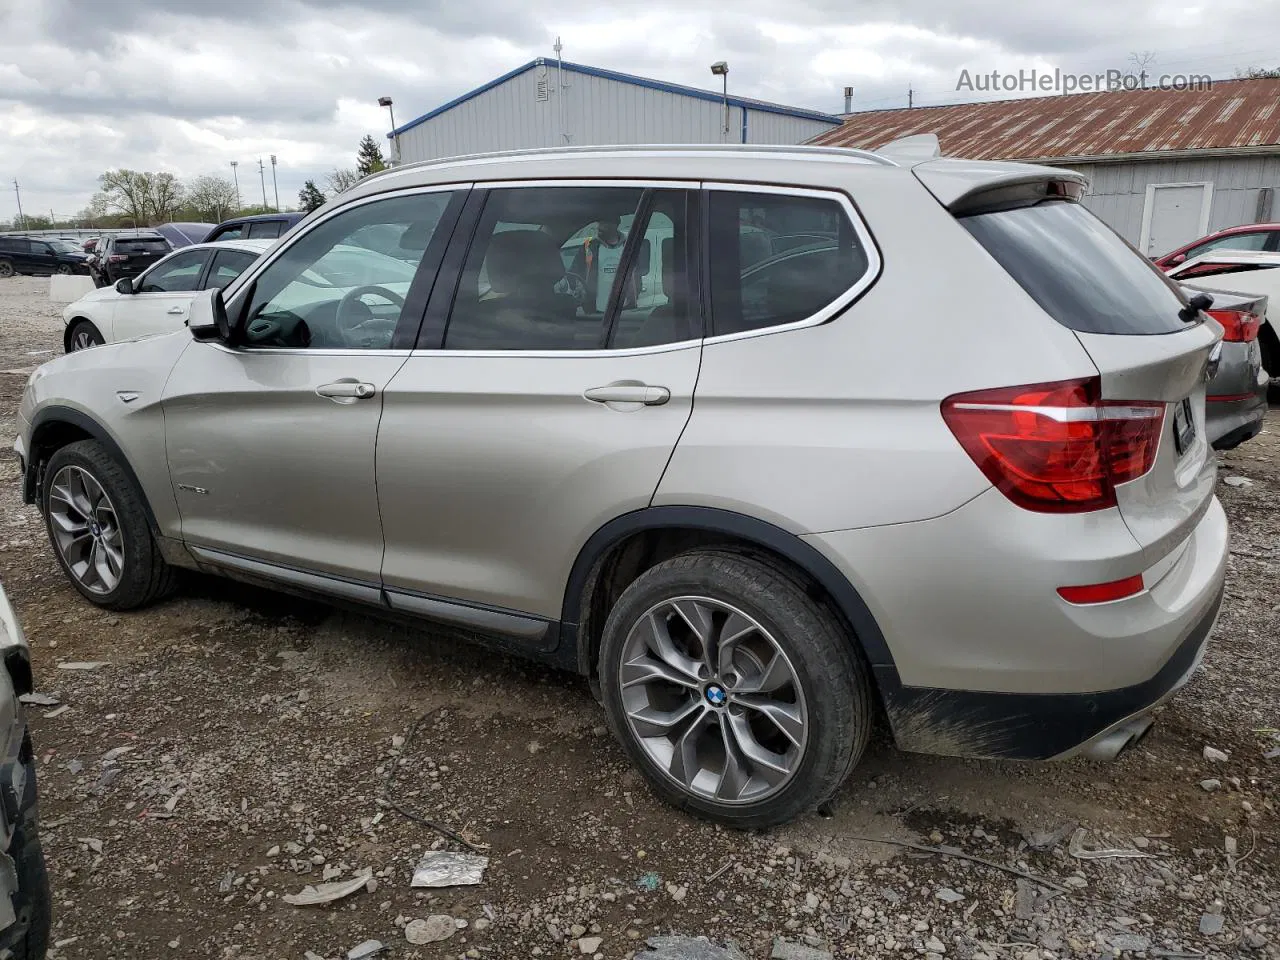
124 285
207 318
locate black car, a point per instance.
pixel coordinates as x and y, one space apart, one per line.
126 255
35 256
263 226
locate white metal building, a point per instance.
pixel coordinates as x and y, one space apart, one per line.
550 103
1165 167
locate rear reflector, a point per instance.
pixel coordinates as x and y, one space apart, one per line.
1238 326
1102 592
1056 447
1229 397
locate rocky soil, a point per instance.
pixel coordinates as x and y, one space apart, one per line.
234 746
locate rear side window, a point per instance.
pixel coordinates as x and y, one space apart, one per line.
779 259
227 265
264 230
1079 270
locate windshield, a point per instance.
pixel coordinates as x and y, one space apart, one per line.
1079 270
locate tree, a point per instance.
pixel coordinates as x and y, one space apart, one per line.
310 197
164 195
369 157
211 198
1259 73
127 192
342 180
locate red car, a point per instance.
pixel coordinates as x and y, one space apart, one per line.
1250 236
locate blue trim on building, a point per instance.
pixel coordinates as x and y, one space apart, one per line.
743 102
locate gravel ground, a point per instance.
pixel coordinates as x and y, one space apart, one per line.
237 745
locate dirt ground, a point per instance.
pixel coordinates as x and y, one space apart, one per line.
236 745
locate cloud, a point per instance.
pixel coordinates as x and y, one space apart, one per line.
188 85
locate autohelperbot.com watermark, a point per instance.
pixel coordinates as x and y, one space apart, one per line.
1059 81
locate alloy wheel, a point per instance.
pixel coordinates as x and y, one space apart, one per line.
83 340
64 269
6 268
713 700
86 530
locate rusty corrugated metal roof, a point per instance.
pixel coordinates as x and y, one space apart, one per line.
1231 114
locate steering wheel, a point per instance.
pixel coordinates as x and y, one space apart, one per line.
355 330
573 285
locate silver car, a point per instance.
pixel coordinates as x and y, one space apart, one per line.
787 438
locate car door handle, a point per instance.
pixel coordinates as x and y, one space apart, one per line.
629 392
177 311
346 391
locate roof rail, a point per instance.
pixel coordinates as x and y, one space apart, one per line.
805 150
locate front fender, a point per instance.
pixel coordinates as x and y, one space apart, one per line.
113 394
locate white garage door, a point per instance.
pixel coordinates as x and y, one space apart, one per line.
1175 213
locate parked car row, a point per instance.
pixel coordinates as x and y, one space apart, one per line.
644 426
40 257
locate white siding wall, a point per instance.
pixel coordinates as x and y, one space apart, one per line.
597 111
1117 191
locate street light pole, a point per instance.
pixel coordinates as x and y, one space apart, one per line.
395 137
274 185
234 164
721 69
262 175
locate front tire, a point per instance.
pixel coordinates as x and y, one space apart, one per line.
65 269
98 528
741 699
83 335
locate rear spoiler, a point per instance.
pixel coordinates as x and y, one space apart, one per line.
967 187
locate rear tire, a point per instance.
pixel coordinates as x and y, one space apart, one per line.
6 269
83 335
760 739
98 529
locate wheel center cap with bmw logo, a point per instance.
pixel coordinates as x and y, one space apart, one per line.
715 695
95 529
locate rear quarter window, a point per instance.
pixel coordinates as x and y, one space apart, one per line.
1079 270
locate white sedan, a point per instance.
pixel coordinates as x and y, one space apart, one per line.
156 301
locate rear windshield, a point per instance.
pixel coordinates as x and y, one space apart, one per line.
1079 270
143 246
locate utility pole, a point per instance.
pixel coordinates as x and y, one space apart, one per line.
275 186
395 137
234 164
262 175
911 96
22 221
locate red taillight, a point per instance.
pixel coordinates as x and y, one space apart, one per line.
1102 592
1238 326
1056 447
117 258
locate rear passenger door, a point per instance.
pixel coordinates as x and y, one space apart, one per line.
538 407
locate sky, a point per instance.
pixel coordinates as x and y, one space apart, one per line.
187 86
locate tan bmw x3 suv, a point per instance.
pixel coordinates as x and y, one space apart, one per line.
767 442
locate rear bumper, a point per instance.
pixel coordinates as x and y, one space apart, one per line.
988 661
1040 726
1230 423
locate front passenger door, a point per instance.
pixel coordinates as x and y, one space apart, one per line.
162 297
270 439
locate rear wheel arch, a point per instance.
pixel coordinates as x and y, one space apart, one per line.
54 428
617 553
